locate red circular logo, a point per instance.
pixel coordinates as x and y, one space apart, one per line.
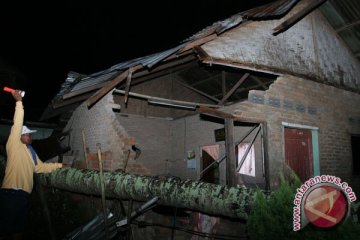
325 206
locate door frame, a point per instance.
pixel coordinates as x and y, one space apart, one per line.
314 142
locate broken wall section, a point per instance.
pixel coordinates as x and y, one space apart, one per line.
294 100
99 127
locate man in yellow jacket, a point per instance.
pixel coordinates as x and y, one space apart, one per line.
22 162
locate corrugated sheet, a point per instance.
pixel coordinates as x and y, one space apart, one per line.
341 13
344 16
269 11
77 81
272 10
218 27
351 38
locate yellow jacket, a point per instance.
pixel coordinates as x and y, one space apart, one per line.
20 165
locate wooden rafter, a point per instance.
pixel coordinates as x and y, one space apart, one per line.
127 87
198 91
206 80
223 115
82 91
233 89
168 64
166 101
72 100
156 74
110 85
198 42
223 83
256 79
298 16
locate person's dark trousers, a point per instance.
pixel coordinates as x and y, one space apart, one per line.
14 208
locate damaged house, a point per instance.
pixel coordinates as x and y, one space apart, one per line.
264 91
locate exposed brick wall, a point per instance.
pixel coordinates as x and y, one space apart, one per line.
164 142
102 132
147 127
299 101
106 159
157 134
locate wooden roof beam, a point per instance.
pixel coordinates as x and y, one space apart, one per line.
233 89
199 92
224 115
110 85
166 101
297 16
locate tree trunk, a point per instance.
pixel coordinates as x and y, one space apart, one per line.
195 195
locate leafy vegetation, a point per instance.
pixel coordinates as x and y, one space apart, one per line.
272 218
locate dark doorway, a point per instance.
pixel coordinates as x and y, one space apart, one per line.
355 147
211 174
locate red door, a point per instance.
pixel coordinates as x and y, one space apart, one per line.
298 152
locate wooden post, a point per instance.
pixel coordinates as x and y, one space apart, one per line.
126 160
230 152
102 183
266 157
85 152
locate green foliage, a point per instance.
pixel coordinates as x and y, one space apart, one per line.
272 218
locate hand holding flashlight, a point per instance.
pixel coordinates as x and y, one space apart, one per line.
10 90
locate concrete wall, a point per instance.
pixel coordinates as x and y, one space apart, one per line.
164 144
152 136
194 132
190 134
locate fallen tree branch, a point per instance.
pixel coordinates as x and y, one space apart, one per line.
195 195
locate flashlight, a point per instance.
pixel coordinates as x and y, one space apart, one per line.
10 90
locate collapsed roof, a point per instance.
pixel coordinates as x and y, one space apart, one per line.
185 57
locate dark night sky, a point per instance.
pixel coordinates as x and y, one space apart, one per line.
41 42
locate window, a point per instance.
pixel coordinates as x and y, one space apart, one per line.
248 166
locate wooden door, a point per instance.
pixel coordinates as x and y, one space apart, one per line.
298 152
